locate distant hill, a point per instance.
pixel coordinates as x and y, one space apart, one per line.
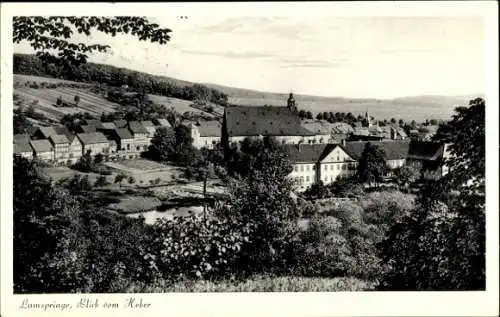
416 108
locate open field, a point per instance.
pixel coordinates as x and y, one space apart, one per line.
89 102
179 105
145 171
261 284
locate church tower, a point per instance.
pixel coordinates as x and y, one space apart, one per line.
291 103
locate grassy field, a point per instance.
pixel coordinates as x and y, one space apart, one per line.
136 204
179 105
89 102
260 284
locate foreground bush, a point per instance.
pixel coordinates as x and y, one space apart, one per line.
259 284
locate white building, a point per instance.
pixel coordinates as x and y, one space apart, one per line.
206 134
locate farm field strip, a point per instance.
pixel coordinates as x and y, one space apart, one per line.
25 78
47 98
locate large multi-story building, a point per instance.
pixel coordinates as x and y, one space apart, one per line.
313 163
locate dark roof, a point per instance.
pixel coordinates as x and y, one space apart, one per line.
22 147
47 131
394 150
88 128
426 150
40 146
137 127
94 122
25 137
266 120
147 124
124 133
210 128
63 130
107 126
120 123
307 153
92 138
59 139
162 122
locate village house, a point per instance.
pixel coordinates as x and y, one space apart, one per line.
23 149
119 124
125 142
395 151
61 145
163 123
141 136
94 142
206 134
75 149
24 137
43 150
150 127
45 132
429 158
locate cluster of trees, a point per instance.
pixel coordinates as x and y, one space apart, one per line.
173 145
118 77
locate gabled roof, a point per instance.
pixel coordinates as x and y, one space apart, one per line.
92 138
25 137
137 127
63 130
41 146
94 122
88 128
426 150
394 150
47 131
22 147
59 139
120 123
124 133
266 121
108 126
210 128
163 122
307 153
147 124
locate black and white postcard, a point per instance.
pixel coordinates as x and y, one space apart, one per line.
255 159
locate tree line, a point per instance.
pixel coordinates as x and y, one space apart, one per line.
117 77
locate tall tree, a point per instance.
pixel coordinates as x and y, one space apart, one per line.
261 203
441 244
372 165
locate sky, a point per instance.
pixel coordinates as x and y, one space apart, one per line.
356 57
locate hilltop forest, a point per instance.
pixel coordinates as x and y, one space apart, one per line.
26 64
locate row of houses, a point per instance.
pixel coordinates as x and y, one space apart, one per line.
313 163
114 140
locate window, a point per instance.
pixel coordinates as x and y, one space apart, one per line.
307 178
296 168
338 167
326 178
326 167
338 158
301 168
301 180
128 147
331 167
343 167
206 142
314 167
307 168
331 178
138 148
